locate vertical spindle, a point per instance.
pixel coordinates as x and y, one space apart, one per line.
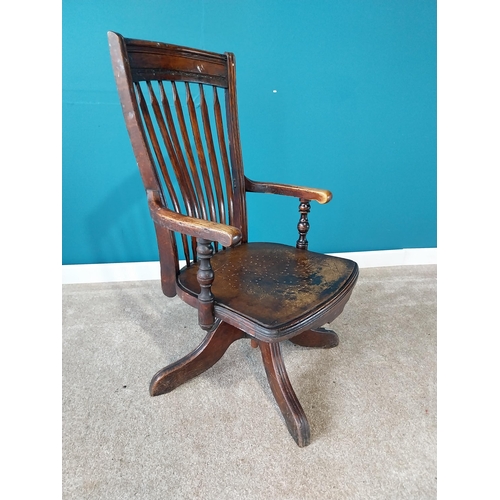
303 225
205 278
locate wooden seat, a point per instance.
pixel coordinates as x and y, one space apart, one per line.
180 110
274 288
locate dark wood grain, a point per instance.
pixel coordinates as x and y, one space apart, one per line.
319 337
235 152
198 228
303 225
320 195
223 153
195 174
200 150
212 348
161 61
275 291
209 143
180 109
283 392
205 278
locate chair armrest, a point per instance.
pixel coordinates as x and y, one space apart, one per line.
307 193
199 228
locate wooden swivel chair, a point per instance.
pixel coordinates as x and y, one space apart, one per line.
180 109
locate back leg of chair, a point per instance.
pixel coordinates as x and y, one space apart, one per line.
318 337
211 350
285 396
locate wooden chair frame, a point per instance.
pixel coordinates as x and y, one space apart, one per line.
196 188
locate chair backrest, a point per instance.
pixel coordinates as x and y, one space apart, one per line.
180 110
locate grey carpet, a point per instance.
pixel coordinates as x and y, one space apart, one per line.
371 401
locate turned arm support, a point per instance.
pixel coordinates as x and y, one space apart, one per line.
205 233
305 195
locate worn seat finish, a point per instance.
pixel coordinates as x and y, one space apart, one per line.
180 110
278 289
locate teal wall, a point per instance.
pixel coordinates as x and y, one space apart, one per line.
354 112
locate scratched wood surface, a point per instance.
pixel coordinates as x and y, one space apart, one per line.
180 109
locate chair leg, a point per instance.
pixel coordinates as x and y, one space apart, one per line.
319 337
212 348
284 394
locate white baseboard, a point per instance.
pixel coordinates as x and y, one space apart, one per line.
138 271
100 273
386 258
